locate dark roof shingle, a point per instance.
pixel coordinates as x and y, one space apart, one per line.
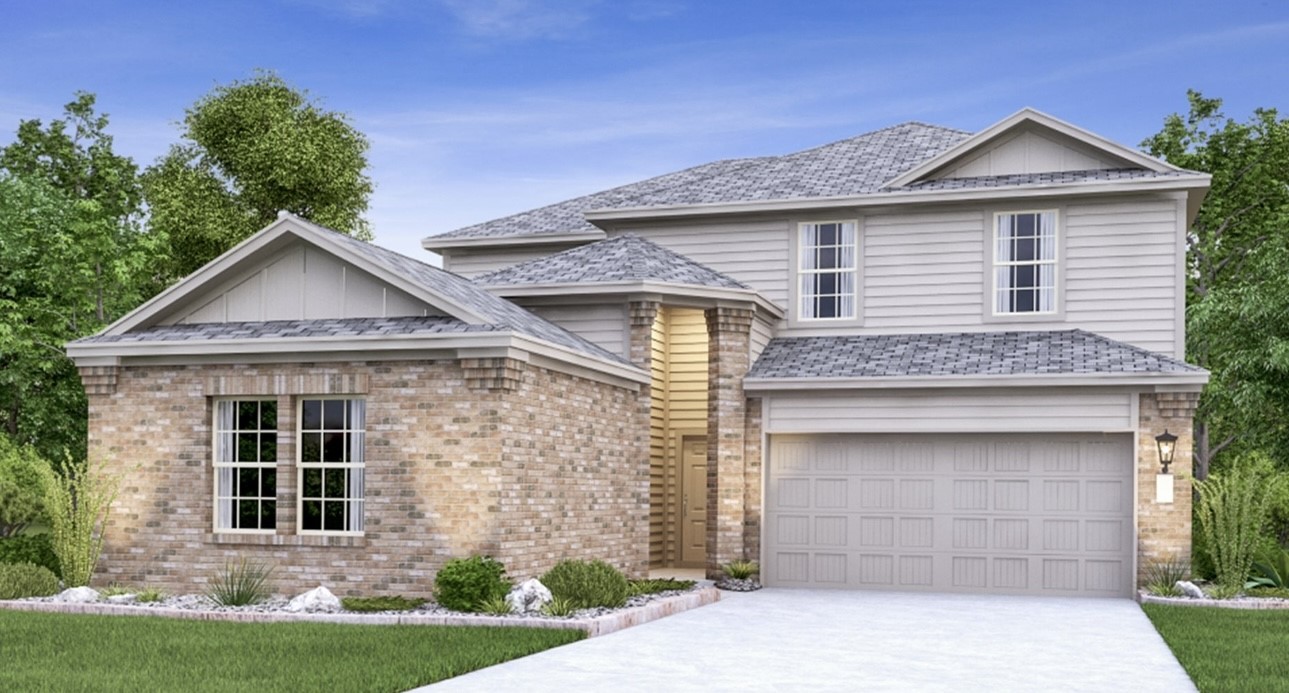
286 329
1063 352
625 258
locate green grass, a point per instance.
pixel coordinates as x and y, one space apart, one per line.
1227 649
398 603
64 652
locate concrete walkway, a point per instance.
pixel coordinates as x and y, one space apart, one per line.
814 640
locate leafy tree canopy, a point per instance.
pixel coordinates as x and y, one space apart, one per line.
1237 262
252 148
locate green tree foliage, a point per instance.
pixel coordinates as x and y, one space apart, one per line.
73 257
21 493
1237 261
252 148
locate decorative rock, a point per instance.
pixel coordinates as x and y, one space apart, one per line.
121 599
1189 589
528 596
81 595
317 599
737 585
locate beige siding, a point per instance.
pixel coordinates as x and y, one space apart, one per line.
661 535
472 263
753 252
604 325
299 283
923 271
979 411
761 334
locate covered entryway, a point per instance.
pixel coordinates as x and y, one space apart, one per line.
988 513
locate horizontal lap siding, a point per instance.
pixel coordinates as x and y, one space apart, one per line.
755 253
923 271
1000 411
471 264
603 325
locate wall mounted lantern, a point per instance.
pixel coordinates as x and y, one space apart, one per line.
1167 445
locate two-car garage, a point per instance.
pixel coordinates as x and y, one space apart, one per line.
1007 513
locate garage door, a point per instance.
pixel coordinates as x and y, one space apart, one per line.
1008 514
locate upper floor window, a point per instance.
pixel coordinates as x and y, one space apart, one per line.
827 269
245 465
332 439
1024 263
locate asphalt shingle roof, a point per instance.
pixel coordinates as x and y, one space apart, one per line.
625 258
285 329
849 167
1061 352
1037 179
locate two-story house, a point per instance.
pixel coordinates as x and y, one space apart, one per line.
917 359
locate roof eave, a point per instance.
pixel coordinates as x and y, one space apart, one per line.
638 287
1189 381
878 199
436 243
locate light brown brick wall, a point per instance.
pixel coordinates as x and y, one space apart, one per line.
729 331
1163 529
542 466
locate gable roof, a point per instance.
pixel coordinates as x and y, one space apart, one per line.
625 258
959 355
465 303
852 166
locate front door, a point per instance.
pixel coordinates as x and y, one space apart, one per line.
693 516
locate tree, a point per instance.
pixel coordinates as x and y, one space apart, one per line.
253 148
73 257
21 487
1237 258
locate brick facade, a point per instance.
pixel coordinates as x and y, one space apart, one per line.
728 332
490 456
1164 529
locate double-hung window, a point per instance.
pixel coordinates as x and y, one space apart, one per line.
827 270
332 437
1025 263
246 465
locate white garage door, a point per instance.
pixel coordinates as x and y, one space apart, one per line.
1011 514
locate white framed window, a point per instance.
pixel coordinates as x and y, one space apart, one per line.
1025 263
826 270
245 465
331 463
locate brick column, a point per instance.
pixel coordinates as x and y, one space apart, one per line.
641 316
98 380
728 331
1164 529
752 478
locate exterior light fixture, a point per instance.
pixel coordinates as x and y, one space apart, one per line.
1167 445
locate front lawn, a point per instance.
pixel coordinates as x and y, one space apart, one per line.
1227 649
65 652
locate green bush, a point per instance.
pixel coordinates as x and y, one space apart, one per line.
150 595
21 580
397 603
240 584
22 496
465 584
1162 576
587 584
741 570
1233 511
30 548
1271 569
654 586
496 606
560 607
77 502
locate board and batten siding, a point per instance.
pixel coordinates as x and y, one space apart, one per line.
753 252
602 324
925 272
299 283
976 411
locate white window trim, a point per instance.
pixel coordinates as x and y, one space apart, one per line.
216 465
798 295
301 465
1055 262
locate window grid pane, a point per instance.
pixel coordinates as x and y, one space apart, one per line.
1025 263
828 265
245 460
332 439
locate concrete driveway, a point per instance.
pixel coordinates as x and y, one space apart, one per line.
815 640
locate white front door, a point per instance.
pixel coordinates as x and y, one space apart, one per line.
693 516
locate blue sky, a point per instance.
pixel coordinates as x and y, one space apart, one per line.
479 108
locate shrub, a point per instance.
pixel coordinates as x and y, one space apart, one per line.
396 603
587 584
240 584
462 584
559 607
741 570
116 589
1162 576
37 549
1220 591
21 580
642 587
1232 513
1271 569
496 606
22 496
77 502
150 595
